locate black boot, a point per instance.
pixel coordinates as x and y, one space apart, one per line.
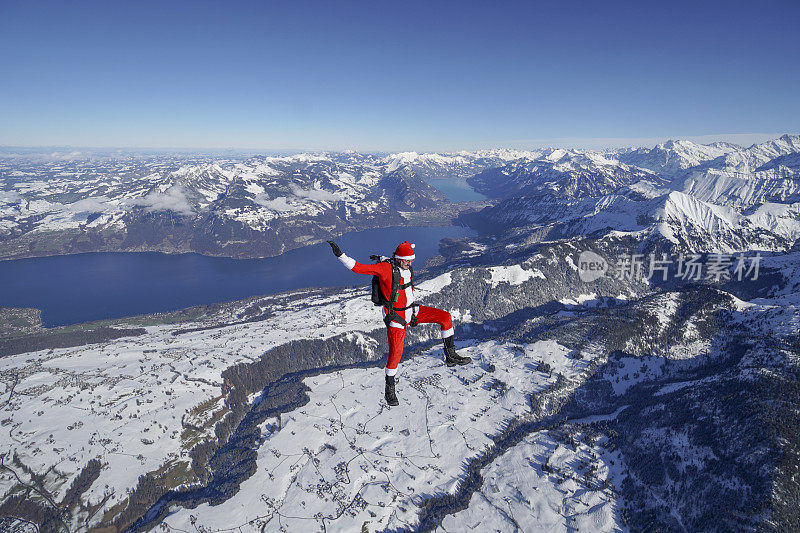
450 355
391 397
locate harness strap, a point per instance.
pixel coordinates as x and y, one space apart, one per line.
392 315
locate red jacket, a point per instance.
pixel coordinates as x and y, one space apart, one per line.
383 270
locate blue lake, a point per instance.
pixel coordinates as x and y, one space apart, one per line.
456 190
79 288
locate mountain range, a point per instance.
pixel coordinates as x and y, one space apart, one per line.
618 402
262 206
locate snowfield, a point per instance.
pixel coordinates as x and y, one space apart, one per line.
574 494
513 275
138 403
359 463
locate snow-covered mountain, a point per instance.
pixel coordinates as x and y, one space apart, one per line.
252 208
561 173
766 172
258 206
616 403
672 158
458 165
746 199
703 226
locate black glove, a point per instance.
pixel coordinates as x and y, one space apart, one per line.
336 251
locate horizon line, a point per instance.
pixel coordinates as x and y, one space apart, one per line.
584 143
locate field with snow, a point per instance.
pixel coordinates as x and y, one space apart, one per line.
346 460
139 404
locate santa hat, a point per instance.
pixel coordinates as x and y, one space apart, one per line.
405 250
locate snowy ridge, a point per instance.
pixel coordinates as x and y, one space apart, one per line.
459 165
708 227
711 198
686 211
671 158
742 189
748 177
566 174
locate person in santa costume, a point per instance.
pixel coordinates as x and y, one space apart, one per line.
395 278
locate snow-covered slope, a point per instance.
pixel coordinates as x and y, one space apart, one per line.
142 404
702 226
363 464
109 413
761 173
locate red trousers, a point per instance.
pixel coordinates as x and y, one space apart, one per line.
425 315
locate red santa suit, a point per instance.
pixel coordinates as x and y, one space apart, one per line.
425 315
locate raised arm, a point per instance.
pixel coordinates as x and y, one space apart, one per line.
360 268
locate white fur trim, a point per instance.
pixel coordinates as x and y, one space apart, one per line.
391 371
447 333
413 245
349 262
406 257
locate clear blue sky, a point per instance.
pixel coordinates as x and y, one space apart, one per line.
380 75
